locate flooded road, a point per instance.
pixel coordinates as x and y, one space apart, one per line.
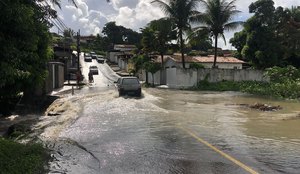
170 131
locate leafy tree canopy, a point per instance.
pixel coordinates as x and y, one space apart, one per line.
270 37
24 51
120 35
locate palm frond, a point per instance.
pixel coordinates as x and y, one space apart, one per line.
233 25
164 6
224 39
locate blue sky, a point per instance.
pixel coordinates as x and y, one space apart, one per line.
92 15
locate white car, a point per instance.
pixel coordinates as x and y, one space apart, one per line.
100 59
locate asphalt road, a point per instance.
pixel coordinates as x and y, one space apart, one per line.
168 131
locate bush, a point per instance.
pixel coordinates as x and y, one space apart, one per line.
196 66
20 158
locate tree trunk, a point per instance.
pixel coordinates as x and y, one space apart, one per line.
162 60
146 77
216 51
152 79
182 48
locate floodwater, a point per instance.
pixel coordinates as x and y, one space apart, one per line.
111 134
162 132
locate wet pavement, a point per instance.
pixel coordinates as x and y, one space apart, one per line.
166 131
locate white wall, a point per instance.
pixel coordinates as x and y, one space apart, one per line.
185 78
223 65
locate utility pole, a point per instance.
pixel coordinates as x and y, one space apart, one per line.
79 75
78 50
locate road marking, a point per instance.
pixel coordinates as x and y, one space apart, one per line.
237 162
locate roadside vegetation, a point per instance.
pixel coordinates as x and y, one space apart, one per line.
284 83
20 158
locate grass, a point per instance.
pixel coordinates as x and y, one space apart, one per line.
286 90
22 158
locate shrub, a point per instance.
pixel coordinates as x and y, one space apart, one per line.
20 158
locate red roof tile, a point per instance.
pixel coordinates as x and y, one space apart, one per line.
220 59
199 59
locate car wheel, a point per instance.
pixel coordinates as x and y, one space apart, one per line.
121 93
139 93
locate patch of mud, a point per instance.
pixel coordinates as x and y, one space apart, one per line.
258 106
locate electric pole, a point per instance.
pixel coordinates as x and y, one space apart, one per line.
78 50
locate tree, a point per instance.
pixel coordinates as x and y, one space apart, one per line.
24 51
181 12
117 34
164 33
152 68
262 46
239 41
217 18
199 40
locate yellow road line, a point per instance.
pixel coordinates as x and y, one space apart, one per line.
237 162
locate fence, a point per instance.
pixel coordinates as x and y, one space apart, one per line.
185 78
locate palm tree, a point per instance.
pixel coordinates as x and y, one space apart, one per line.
217 18
181 12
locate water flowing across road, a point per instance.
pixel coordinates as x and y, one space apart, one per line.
99 132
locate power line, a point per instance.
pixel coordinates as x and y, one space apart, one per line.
56 20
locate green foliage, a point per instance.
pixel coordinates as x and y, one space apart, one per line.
181 12
199 40
270 37
196 66
281 75
120 35
22 158
285 83
24 51
217 18
139 61
151 67
157 35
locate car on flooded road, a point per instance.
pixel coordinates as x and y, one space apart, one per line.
94 70
100 59
129 85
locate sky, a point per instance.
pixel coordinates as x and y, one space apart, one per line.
92 15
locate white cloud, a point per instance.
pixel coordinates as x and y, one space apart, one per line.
92 15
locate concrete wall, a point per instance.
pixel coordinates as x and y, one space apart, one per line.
112 56
55 77
185 78
224 65
171 77
216 75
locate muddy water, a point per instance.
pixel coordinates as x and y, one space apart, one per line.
271 138
104 133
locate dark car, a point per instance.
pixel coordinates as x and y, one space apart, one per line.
129 85
93 55
94 70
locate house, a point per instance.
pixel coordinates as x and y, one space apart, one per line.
123 61
222 62
172 61
127 48
119 50
87 39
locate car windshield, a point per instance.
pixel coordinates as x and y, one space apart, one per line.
93 67
130 81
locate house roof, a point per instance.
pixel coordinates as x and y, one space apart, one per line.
220 59
199 59
124 46
176 58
